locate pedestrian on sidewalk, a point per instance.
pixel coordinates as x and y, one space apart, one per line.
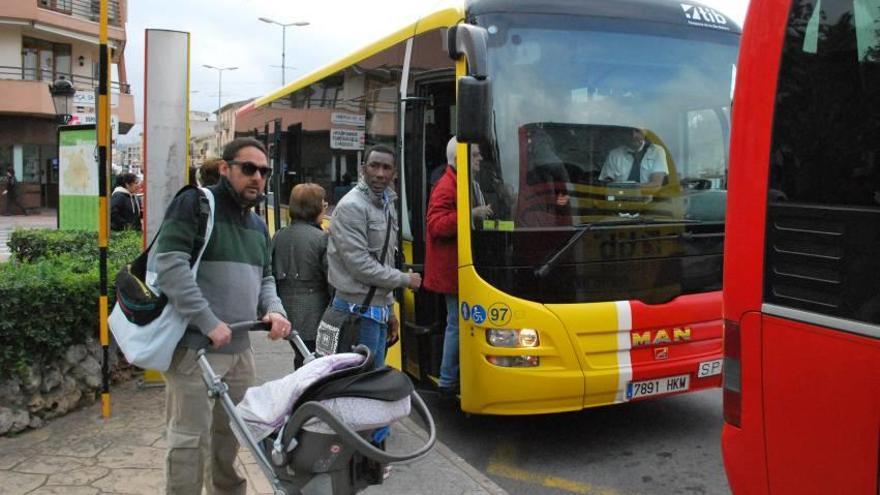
125 209
299 262
234 283
357 234
209 172
441 255
11 193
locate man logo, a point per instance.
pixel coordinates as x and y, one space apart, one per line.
704 16
660 337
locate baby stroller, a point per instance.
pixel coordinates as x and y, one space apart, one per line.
319 429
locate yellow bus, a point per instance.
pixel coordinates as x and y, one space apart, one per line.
584 288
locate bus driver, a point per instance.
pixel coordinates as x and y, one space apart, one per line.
650 158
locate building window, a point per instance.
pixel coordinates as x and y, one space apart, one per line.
65 6
31 169
6 157
45 61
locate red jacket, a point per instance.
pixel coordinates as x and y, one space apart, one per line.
441 246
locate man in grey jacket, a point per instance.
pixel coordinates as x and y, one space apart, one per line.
357 234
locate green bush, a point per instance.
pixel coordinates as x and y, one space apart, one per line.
29 245
51 302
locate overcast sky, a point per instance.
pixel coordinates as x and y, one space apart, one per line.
228 33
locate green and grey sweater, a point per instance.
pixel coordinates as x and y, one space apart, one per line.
234 281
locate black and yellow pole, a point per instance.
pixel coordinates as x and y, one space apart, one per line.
103 210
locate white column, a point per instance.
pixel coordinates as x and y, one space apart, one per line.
18 161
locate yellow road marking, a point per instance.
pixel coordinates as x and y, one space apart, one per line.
502 464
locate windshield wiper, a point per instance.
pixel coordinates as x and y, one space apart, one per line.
542 270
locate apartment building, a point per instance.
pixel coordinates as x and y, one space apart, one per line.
40 42
226 125
130 157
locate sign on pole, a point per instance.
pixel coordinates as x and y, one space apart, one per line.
346 139
77 178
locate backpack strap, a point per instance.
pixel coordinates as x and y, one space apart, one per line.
205 213
204 216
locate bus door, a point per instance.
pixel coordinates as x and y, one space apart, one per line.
428 120
821 305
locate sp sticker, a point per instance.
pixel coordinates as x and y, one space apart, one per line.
465 311
478 313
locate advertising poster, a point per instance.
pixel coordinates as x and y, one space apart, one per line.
77 178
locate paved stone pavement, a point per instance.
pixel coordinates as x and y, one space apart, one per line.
84 454
36 219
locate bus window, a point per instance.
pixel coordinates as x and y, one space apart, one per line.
556 138
827 175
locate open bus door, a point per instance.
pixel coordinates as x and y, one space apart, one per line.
429 117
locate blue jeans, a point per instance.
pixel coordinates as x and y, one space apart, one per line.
372 334
449 364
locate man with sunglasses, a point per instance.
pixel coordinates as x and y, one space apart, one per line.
234 283
355 260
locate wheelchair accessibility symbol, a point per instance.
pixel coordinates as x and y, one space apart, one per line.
479 314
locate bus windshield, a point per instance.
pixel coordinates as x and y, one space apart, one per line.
598 120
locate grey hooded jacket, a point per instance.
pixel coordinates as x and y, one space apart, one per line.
357 233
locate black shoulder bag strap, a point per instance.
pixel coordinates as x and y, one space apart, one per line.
381 259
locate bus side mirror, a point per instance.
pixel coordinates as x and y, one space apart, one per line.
475 89
474 110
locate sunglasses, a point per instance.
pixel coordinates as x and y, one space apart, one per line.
250 168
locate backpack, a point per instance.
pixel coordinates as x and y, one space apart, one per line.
145 326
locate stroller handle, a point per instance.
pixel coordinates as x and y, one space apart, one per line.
314 409
251 326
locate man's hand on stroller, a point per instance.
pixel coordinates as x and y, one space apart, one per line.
220 335
280 326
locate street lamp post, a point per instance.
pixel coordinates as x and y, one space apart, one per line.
219 97
62 92
284 39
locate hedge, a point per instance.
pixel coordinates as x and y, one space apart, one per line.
29 245
50 302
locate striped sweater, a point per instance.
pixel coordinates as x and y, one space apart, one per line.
234 281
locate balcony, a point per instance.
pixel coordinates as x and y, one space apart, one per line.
26 92
79 81
88 10
77 19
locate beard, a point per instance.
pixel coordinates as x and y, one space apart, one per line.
243 200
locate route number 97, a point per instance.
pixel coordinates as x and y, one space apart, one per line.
499 314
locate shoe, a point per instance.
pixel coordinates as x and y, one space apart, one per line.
451 392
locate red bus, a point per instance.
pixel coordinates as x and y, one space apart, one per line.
802 260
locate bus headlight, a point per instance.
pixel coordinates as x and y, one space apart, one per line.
506 337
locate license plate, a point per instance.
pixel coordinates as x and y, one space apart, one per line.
659 386
709 368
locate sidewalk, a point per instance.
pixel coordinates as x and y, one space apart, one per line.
36 219
83 454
